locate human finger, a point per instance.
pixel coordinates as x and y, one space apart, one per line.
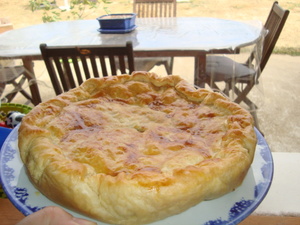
53 215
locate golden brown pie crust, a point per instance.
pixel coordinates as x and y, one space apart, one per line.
133 149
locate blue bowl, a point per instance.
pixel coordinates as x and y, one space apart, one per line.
122 21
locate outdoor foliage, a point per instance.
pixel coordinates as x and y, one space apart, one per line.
77 9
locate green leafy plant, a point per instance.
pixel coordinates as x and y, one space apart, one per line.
77 9
287 51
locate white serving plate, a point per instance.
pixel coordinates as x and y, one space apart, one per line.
230 209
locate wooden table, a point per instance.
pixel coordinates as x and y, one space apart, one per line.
180 36
9 215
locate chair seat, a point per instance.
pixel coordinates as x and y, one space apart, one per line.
9 74
222 68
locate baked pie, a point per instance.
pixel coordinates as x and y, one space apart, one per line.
133 149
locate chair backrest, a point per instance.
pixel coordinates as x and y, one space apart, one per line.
155 8
69 66
274 24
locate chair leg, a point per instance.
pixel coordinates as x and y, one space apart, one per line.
252 108
256 124
243 94
242 97
26 95
10 96
216 88
228 87
169 67
2 88
17 88
254 115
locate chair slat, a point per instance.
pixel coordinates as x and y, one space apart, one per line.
94 66
84 64
77 69
61 73
103 66
112 64
54 77
68 75
122 64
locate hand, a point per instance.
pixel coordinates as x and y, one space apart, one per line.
53 216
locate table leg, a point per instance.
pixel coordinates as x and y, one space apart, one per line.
200 65
29 73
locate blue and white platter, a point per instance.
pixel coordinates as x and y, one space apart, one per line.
230 209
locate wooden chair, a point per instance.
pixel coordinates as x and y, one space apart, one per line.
15 76
242 77
69 66
10 74
155 8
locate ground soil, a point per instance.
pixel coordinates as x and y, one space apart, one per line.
20 14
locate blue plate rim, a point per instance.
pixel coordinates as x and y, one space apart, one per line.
269 178
9 192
